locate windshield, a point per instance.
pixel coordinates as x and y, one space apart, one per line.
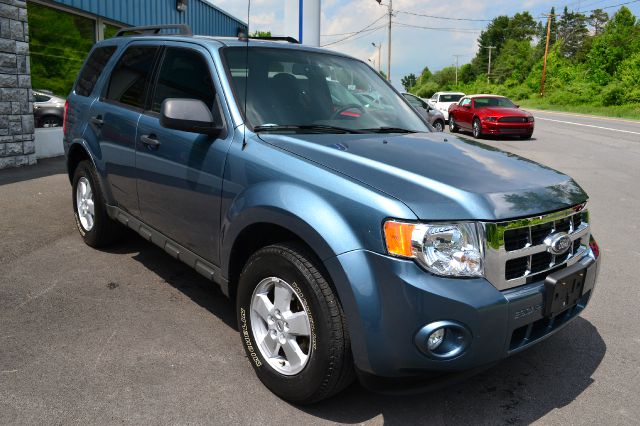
288 87
450 98
493 102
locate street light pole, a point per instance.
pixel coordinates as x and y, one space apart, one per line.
389 41
489 68
379 47
457 57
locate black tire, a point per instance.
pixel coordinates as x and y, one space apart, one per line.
527 136
453 128
477 128
50 121
105 230
329 367
438 125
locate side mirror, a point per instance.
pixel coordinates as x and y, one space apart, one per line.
189 115
517 106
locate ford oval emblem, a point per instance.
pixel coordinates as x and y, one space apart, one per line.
558 243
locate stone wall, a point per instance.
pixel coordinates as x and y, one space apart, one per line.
17 146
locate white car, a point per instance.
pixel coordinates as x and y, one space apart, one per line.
441 101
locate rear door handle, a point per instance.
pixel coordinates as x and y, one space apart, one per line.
150 140
97 120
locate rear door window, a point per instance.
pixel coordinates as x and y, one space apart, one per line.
184 74
131 75
92 69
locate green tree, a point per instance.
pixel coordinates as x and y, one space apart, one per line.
408 81
621 36
514 63
598 19
572 32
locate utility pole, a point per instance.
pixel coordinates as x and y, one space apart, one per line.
388 38
546 52
489 68
379 47
457 57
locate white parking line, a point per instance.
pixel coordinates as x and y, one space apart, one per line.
589 125
578 115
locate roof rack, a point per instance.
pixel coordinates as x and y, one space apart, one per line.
287 39
183 29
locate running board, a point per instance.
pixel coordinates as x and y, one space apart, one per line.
202 266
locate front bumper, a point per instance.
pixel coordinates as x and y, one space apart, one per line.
388 300
500 128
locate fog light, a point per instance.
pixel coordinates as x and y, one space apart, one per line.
443 339
435 339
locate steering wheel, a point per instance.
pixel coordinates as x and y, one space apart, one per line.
338 113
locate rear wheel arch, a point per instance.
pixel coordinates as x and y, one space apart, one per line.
76 154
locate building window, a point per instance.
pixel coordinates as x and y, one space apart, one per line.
59 43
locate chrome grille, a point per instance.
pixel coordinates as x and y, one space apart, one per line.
515 251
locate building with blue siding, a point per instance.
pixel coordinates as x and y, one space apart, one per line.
203 17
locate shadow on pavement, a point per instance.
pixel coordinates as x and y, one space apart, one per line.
178 275
519 390
45 167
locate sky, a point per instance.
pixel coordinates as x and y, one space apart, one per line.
413 48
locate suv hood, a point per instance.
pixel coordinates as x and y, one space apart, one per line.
440 176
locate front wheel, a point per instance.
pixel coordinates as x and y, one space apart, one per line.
453 127
438 125
477 129
292 325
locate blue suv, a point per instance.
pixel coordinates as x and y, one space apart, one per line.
354 240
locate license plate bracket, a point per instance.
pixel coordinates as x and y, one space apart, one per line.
563 289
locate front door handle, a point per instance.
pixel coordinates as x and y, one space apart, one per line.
97 120
150 140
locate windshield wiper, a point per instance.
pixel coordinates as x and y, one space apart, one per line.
389 130
316 128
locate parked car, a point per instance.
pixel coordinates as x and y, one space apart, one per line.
441 101
354 242
434 117
48 109
490 115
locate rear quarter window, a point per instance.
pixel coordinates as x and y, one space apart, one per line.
92 69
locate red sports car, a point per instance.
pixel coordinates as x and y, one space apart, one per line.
490 115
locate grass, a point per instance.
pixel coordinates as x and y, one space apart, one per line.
631 111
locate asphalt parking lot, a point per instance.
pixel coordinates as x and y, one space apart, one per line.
130 335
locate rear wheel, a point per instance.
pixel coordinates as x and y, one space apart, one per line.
477 129
94 224
292 325
453 127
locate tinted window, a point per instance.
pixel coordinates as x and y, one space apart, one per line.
450 98
92 69
493 102
184 74
131 76
41 98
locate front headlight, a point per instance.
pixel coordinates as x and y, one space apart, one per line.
491 119
452 250
530 119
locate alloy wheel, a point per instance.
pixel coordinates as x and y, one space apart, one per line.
281 326
85 205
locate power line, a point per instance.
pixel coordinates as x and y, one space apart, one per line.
355 33
349 33
442 17
447 29
356 36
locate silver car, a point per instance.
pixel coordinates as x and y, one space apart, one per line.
48 109
434 117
